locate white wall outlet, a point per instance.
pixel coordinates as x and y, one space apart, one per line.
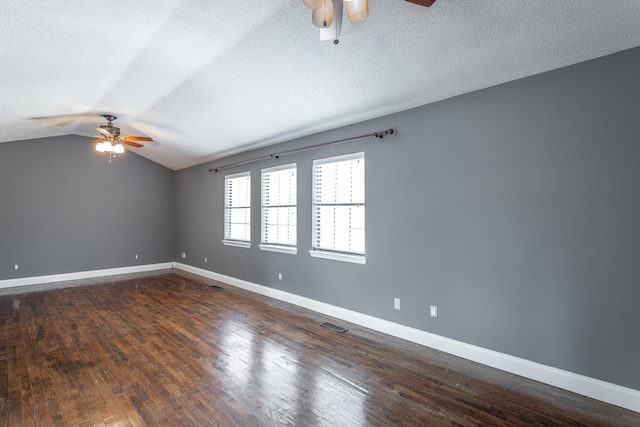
205 259
396 303
279 276
434 311
16 266
183 255
136 256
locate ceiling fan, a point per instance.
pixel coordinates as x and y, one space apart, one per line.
111 136
112 141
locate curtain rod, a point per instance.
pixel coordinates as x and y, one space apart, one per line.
324 144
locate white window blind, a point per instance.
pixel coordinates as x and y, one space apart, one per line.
237 207
279 206
339 205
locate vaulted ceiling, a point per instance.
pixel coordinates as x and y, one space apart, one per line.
206 79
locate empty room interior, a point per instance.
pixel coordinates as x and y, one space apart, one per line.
320 213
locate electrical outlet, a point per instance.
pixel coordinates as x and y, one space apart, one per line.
183 255
279 276
396 303
136 256
15 266
205 259
434 311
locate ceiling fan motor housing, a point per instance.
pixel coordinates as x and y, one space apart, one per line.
114 131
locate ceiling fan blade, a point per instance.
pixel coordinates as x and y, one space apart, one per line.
103 131
138 138
131 143
63 119
422 2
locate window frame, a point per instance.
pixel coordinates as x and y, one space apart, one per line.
335 254
278 246
227 240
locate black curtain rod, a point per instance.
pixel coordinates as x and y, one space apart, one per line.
276 155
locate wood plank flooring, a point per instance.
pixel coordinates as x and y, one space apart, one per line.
170 350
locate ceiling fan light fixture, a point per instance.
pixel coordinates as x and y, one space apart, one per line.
118 148
313 4
328 17
100 147
322 17
357 10
107 146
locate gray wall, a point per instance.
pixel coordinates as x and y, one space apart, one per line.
515 210
64 208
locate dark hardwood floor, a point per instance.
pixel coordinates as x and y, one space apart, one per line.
169 350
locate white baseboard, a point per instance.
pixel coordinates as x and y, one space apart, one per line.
38 280
590 387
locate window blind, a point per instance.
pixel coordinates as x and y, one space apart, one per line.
237 207
339 204
279 205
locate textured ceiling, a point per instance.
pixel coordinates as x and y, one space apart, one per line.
206 79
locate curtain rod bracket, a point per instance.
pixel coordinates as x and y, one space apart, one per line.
382 134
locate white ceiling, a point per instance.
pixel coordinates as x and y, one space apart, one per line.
206 79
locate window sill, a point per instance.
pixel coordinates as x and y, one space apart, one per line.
282 249
356 259
236 243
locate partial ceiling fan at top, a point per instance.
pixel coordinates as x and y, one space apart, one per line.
327 14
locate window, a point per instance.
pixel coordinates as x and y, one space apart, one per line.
237 209
338 208
279 210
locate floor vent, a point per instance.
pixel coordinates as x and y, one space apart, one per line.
334 327
216 287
